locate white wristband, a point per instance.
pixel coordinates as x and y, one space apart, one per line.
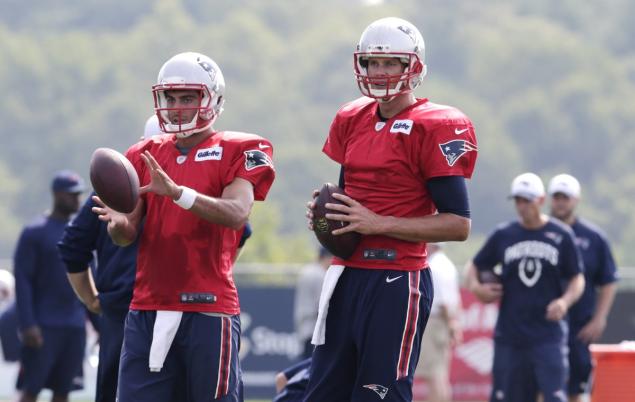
187 198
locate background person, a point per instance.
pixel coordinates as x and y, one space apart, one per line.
540 272
444 328
307 297
52 321
587 317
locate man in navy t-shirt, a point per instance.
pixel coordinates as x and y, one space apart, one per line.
51 319
539 276
587 318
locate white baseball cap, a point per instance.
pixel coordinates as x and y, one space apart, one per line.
565 184
528 186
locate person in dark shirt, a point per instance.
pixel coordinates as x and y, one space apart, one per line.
587 318
108 294
540 277
51 319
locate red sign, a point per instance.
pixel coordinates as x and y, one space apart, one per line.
471 365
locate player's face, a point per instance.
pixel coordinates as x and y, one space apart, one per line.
528 210
183 105
67 203
563 206
379 67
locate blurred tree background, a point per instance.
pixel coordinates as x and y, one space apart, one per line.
546 83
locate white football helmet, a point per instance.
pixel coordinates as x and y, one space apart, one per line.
189 71
390 37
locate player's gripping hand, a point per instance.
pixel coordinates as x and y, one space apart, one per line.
310 207
557 309
160 182
360 218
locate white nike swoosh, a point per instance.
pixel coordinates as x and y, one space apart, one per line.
389 279
263 146
459 132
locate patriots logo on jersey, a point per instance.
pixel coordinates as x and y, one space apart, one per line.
453 150
255 158
379 389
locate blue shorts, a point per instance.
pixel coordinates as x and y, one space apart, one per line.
57 365
373 335
580 365
201 365
520 373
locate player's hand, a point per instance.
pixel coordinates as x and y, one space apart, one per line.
106 214
32 337
557 309
160 182
487 292
310 207
360 218
94 306
592 331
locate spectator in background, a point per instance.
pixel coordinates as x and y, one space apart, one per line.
307 297
107 294
51 319
587 318
540 279
8 318
444 326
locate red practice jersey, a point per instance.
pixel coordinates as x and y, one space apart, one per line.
386 166
184 262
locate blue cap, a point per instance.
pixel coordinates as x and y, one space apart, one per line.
67 181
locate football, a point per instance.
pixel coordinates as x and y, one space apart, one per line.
488 276
343 245
114 179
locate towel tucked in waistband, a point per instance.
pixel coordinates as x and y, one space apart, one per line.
328 286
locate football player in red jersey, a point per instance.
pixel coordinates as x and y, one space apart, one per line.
198 186
404 162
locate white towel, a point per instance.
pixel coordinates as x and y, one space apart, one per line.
328 286
165 327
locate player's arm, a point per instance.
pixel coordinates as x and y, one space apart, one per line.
451 223
557 309
231 209
25 271
76 250
594 329
84 287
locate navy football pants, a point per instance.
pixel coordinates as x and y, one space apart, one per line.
373 336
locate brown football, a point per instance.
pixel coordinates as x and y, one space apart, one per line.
343 245
114 179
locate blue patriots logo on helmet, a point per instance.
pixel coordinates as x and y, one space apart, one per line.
453 150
